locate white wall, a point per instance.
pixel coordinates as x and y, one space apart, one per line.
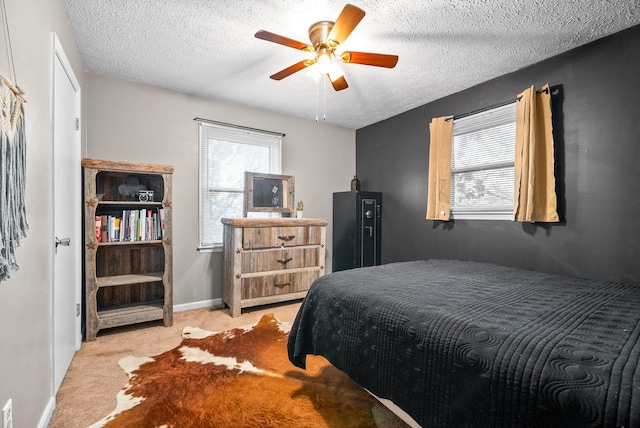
131 122
138 123
26 298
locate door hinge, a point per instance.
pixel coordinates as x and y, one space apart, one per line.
77 309
77 123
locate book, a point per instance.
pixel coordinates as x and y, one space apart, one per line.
98 227
104 235
161 213
141 221
124 226
109 228
117 224
112 235
156 224
131 230
149 229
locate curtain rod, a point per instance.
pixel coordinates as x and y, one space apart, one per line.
504 103
231 125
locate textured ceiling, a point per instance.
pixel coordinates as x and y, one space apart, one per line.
208 48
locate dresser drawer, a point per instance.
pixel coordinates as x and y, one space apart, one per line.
270 237
281 283
280 259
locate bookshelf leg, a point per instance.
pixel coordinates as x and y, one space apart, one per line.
91 334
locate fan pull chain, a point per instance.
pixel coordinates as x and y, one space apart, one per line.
324 99
317 98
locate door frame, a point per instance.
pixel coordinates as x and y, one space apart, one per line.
58 54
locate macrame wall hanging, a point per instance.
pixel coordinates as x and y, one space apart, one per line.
13 155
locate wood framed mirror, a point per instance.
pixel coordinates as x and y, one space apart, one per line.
269 193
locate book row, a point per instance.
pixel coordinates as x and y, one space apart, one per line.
132 225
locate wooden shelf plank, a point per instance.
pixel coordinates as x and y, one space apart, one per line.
131 203
126 167
148 242
112 281
130 314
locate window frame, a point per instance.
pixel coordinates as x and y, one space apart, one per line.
233 135
477 121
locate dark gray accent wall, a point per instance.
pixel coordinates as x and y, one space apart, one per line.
596 113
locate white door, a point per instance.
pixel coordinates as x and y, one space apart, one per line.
67 201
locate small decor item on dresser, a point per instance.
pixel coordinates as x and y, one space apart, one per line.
299 209
355 184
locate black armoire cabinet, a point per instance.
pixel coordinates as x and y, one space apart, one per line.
356 229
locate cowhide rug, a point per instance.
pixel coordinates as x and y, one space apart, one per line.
241 378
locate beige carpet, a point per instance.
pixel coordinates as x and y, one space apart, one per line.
88 391
89 388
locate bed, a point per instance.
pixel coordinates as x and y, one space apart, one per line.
468 344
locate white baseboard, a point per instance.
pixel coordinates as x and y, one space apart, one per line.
197 305
48 413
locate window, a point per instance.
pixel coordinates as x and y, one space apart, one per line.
482 165
225 154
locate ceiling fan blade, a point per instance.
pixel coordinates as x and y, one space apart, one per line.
290 70
346 22
275 38
339 84
366 58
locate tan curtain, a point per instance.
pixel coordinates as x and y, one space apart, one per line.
535 186
439 196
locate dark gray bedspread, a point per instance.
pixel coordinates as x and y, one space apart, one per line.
471 344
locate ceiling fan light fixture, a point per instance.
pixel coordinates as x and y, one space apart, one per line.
313 73
323 61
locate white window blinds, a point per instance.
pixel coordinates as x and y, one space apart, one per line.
225 154
482 164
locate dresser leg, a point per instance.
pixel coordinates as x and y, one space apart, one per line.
235 311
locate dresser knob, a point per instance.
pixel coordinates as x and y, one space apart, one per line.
284 261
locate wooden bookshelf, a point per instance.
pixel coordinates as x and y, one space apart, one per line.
128 274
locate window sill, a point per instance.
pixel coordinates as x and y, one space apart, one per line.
482 215
214 249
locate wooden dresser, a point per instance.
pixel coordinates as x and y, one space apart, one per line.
270 260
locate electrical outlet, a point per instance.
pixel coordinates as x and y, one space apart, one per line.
7 415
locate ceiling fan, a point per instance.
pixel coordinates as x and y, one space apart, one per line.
326 37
